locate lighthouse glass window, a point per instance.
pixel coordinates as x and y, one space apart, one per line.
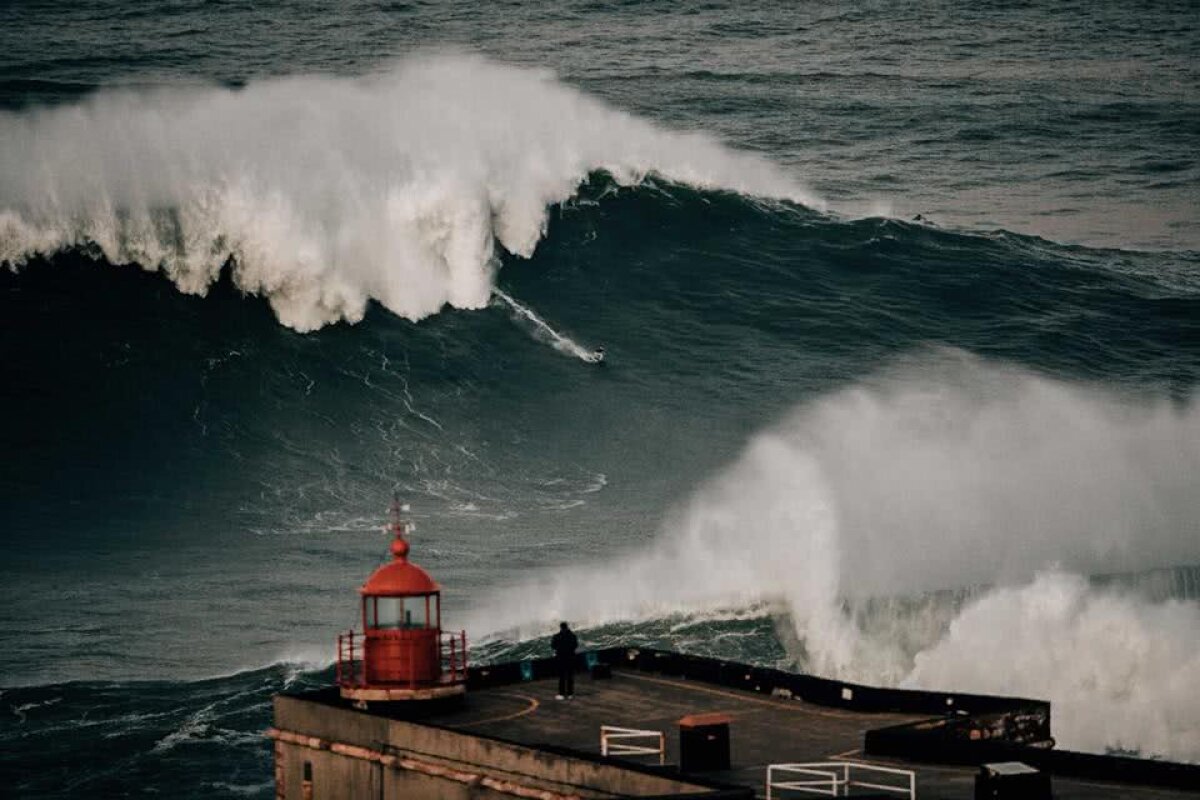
398 612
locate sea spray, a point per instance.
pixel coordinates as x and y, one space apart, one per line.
941 473
324 193
1120 670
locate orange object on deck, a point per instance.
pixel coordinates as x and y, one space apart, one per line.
703 720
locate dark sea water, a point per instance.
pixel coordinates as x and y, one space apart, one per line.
250 252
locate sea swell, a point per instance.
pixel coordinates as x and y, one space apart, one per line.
952 451
949 432
185 738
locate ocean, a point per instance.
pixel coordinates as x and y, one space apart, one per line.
900 302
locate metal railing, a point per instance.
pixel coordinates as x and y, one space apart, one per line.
834 778
452 658
348 670
453 647
621 747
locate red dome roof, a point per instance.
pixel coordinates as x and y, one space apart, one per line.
401 578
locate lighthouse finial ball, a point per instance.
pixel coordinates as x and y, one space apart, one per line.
399 547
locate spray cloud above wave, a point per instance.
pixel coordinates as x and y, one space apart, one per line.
944 473
329 192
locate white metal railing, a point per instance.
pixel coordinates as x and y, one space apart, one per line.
835 778
615 741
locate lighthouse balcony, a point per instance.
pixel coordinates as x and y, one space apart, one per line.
391 665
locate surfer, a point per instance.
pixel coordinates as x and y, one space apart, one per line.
597 356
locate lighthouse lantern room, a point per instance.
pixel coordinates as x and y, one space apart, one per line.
402 652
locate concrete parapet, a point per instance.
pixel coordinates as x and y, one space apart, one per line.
354 753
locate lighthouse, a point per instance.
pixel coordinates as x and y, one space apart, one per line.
401 653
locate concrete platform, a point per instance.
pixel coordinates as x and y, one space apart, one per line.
764 730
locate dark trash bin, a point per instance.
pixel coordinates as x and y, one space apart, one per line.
1011 780
704 742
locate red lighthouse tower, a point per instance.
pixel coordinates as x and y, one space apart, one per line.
402 652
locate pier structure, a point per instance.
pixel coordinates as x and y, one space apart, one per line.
508 737
408 718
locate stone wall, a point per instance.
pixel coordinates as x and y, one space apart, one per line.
358 754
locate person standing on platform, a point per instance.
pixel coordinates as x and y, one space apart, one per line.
564 644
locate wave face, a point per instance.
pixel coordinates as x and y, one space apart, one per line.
958 451
325 193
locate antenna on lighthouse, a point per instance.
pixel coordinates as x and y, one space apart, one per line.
399 526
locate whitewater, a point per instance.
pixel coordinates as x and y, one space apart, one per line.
323 194
249 292
942 473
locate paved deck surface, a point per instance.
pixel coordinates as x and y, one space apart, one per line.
764 730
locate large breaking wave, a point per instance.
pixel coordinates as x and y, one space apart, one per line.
325 193
932 527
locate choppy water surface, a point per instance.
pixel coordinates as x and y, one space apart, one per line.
252 259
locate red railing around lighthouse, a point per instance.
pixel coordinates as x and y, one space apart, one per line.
452 658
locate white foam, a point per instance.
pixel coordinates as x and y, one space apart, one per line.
195 727
944 472
1121 672
22 710
330 192
295 661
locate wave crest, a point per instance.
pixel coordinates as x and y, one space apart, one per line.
324 193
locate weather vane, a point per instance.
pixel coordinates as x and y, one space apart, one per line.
399 525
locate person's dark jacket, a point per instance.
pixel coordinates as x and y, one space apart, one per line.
564 644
